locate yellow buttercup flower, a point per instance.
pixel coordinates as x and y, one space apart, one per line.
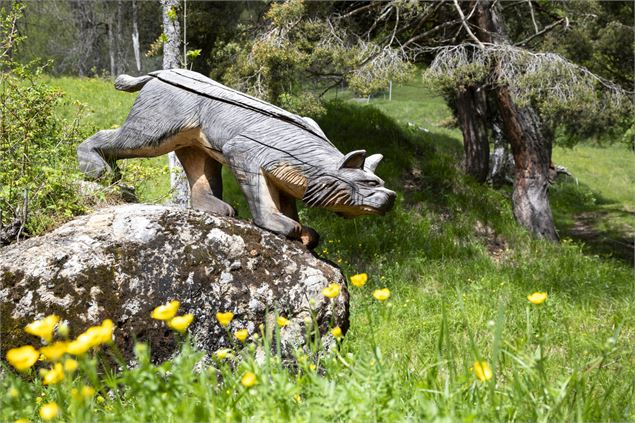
248 380
359 280
537 297
222 353
241 335
87 391
83 343
43 328
55 351
482 370
381 294
181 323
54 375
331 291
49 411
21 421
225 318
282 321
70 365
167 311
104 332
23 358
336 332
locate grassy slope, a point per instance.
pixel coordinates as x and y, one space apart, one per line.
459 270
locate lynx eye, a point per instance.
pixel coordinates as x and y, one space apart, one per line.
371 183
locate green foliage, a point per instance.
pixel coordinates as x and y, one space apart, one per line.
37 168
299 51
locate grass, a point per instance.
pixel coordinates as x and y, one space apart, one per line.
459 271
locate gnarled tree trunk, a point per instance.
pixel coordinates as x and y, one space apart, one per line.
471 113
530 140
531 147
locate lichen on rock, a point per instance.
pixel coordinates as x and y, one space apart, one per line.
121 262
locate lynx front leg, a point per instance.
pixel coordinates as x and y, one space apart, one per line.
206 184
309 237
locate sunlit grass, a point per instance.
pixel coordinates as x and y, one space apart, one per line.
457 297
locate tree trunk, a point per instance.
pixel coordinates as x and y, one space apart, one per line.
471 113
111 50
171 50
135 35
172 30
530 140
531 148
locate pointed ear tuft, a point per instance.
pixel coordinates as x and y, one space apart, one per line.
371 162
353 160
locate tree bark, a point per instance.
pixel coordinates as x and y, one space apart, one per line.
471 113
171 50
135 35
530 140
531 148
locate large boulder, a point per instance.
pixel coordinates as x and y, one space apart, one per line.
123 261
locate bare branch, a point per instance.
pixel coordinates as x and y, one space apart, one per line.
543 31
533 17
466 26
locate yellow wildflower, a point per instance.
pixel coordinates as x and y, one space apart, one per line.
381 294
83 343
70 365
54 375
241 335
312 367
537 297
167 311
336 332
87 391
13 392
282 321
248 380
43 328
222 353
225 318
359 280
331 291
101 399
104 332
49 411
55 351
482 370
180 323
23 358
21 421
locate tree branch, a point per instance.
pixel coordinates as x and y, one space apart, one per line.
466 26
543 31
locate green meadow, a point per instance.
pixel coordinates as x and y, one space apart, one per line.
458 339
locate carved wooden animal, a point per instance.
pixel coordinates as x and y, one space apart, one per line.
276 156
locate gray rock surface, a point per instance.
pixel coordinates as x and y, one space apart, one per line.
123 261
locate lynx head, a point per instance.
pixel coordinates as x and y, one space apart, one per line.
351 188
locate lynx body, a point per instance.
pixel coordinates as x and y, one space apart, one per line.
276 156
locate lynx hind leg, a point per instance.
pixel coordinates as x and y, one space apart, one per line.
205 179
90 154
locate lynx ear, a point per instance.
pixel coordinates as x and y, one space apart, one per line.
371 162
353 160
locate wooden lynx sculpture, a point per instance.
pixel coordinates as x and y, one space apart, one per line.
276 156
